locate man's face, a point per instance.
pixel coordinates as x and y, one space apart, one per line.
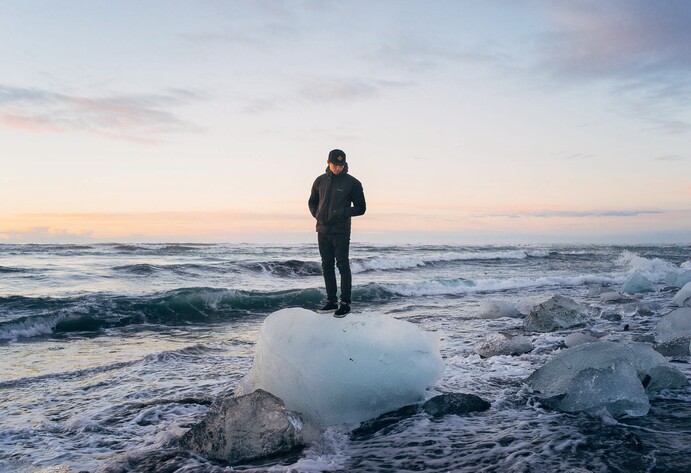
335 168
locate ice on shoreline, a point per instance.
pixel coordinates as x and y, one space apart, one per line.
343 370
605 375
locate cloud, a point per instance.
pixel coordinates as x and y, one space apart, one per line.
671 157
416 53
143 117
619 37
639 47
575 214
257 26
579 156
326 90
45 235
319 90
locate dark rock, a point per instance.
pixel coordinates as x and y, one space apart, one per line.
633 442
454 403
248 427
372 426
438 406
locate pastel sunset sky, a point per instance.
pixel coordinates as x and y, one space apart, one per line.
466 121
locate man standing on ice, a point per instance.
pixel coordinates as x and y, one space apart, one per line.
330 203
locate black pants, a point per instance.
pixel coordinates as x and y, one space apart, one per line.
336 246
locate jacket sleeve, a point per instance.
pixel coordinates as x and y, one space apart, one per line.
359 205
313 202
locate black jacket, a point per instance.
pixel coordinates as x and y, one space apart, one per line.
331 198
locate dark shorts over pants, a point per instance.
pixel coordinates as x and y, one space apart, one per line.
336 247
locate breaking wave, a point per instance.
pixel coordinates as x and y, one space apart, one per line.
654 269
450 287
181 306
146 269
288 268
384 263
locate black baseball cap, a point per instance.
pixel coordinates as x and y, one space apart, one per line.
337 157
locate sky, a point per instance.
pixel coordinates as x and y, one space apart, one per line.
467 122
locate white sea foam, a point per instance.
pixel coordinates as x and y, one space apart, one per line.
381 263
384 263
654 269
459 286
28 328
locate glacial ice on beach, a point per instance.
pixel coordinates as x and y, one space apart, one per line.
556 313
683 297
342 370
678 279
682 279
636 284
577 378
615 388
496 344
497 309
676 324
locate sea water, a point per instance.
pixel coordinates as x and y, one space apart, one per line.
110 352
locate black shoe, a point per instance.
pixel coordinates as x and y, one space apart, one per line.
329 307
343 310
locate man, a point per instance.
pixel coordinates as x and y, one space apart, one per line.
330 203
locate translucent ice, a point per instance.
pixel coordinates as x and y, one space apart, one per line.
612 296
676 324
637 283
615 388
652 369
683 297
343 370
677 278
683 279
497 309
496 344
557 313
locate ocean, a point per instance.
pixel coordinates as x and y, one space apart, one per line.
110 352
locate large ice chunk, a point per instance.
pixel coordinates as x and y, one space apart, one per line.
676 324
636 284
683 279
578 374
683 297
556 313
497 309
615 388
343 370
496 344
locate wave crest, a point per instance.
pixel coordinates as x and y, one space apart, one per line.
181 306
